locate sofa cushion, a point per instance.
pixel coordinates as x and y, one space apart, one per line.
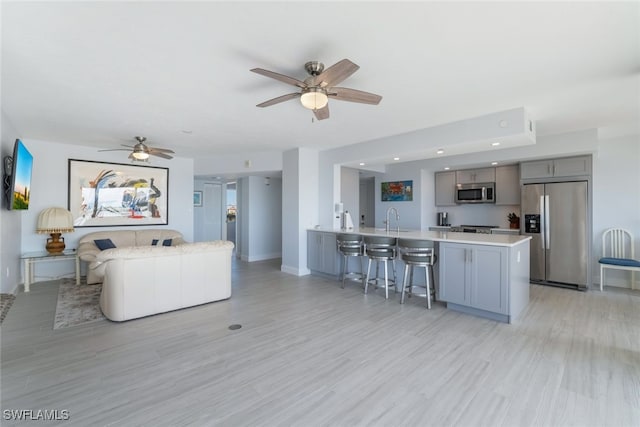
154 242
103 244
166 242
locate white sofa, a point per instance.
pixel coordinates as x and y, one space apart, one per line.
140 281
88 251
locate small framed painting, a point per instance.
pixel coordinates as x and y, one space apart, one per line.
197 198
397 191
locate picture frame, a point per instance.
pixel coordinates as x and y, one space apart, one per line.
197 198
397 191
103 194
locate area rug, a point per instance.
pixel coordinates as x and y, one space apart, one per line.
77 304
6 301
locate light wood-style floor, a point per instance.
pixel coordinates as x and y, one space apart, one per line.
310 353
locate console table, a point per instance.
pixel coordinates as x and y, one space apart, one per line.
30 258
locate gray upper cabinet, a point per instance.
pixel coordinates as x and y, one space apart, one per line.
445 188
508 185
471 176
566 167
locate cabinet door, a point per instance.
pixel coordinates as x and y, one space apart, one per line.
507 185
445 188
464 177
484 175
330 262
314 254
541 169
489 278
454 273
572 166
471 176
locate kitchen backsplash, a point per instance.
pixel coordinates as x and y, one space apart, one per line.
483 214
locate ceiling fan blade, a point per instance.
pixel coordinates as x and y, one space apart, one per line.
353 95
164 156
128 146
116 149
280 77
279 99
131 156
322 113
162 150
336 73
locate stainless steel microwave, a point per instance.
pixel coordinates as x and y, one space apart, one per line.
476 193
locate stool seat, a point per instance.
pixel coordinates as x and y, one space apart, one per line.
381 249
417 253
350 245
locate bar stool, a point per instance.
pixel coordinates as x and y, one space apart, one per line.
381 249
418 253
351 245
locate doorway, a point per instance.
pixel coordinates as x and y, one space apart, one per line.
231 212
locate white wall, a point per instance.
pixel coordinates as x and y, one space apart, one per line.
10 221
49 188
349 191
301 181
616 198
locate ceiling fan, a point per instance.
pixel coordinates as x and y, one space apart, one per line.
316 89
141 151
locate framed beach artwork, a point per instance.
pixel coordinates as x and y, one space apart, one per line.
112 194
397 191
197 198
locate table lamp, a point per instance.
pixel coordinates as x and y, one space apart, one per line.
55 221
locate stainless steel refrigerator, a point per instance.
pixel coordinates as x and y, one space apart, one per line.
556 217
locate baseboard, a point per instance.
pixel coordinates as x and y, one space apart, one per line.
295 271
262 257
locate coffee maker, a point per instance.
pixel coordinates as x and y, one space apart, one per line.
443 219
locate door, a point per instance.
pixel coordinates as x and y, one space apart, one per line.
567 246
532 196
213 209
454 273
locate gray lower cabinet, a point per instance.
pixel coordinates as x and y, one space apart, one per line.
475 277
322 252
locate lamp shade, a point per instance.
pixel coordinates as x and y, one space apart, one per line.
314 99
55 220
140 155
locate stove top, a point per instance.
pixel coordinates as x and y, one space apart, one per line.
483 229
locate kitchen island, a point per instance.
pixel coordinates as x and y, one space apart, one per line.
485 275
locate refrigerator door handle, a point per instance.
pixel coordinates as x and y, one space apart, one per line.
543 222
547 227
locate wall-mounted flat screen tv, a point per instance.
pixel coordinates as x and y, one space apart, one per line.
20 187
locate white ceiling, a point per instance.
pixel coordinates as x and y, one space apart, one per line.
97 74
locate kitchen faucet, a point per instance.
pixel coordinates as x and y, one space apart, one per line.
397 218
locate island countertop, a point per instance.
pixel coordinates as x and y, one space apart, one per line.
505 240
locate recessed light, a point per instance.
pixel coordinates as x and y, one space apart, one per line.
494 163
187 131
440 151
447 168
396 158
361 164
495 144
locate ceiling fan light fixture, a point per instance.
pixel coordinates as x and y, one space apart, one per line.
314 99
140 155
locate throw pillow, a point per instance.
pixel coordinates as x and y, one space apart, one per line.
166 242
154 242
103 244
